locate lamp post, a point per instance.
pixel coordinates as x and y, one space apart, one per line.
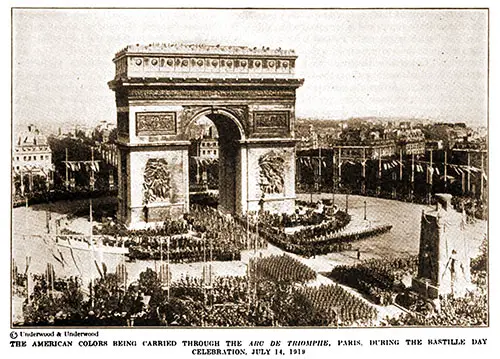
333 176
365 210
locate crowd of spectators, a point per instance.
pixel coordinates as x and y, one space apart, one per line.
201 235
281 269
474 208
339 307
182 249
280 220
307 244
378 279
470 310
273 293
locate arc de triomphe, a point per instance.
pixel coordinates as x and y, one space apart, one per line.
248 93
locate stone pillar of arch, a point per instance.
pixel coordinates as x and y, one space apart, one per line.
248 93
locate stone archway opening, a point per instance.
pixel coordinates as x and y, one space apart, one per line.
217 147
229 161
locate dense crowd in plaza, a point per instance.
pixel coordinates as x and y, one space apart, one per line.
470 310
378 279
308 245
280 269
263 297
339 307
220 289
182 249
326 235
280 220
278 290
201 235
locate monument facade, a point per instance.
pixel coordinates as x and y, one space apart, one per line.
444 259
248 93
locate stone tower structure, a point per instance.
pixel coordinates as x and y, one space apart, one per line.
248 93
444 261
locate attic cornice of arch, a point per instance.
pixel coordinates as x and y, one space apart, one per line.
204 82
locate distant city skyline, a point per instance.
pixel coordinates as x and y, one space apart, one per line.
428 64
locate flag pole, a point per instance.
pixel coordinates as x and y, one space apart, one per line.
67 174
340 166
429 174
314 177
91 221
168 269
482 176
445 168
333 179
320 165
379 185
161 259
92 169
468 171
412 173
363 168
400 164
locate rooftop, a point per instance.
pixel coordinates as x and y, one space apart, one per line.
32 137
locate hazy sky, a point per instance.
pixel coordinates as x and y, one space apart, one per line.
408 63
